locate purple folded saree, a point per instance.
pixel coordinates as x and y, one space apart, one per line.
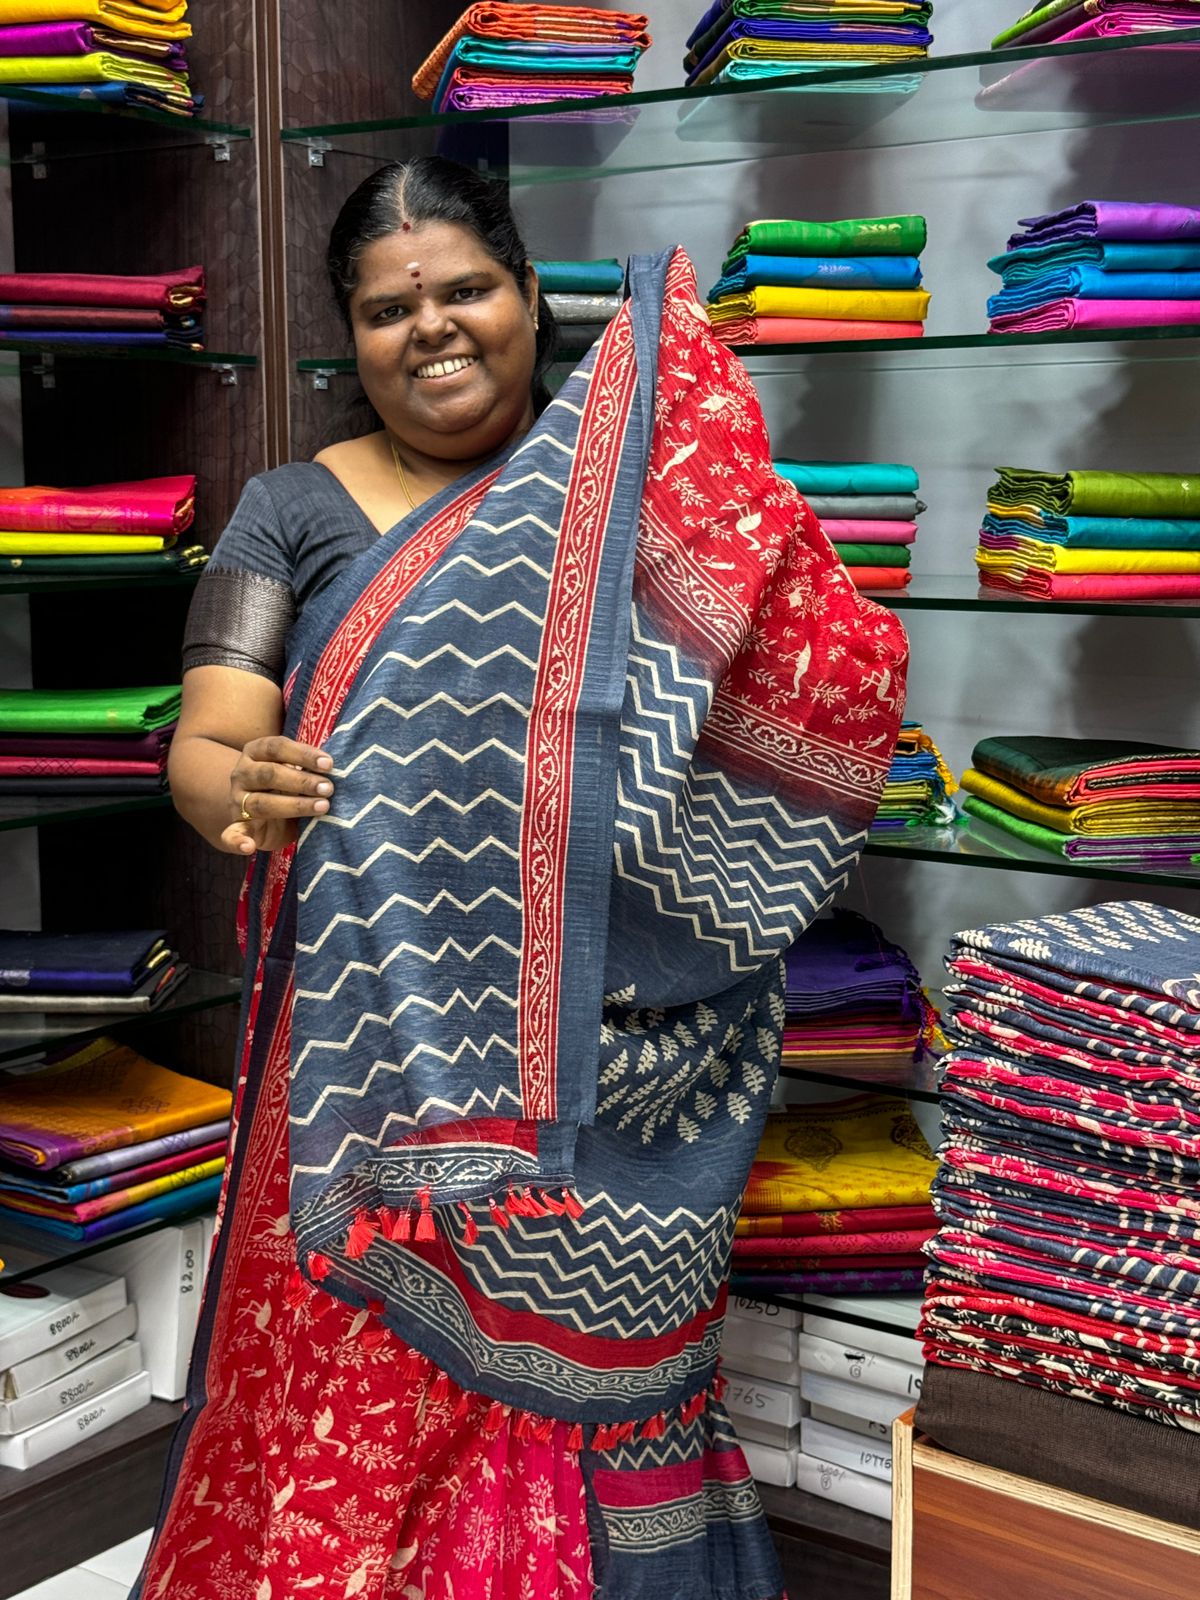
1109 219
82 39
1100 314
98 747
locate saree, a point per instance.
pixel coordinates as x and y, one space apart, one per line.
163 506
598 760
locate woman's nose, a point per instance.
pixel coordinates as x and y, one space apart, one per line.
433 322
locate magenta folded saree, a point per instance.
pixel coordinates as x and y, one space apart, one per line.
60 767
868 530
1100 314
1042 585
85 38
163 506
151 747
810 330
1108 18
876 1243
167 291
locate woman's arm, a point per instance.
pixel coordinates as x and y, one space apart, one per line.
228 758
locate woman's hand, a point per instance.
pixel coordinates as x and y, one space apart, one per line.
274 782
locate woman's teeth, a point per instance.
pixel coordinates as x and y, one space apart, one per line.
442 369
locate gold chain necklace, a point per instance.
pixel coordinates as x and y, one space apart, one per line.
400 473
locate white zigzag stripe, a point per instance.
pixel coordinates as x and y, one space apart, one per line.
349 1091
410 950
434 797
417 662
526 517
456 999
439 699
477 1101
462 757
435 847
444 568
530 477
476 616
546 439
442 897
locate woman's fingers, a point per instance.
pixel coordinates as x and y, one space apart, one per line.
288 752
260 805
277 779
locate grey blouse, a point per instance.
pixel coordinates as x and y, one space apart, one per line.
293 531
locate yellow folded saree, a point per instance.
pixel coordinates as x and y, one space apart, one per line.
804 51
98 66
866 1151
1021 551
1100 818
838 305
82 544
149 20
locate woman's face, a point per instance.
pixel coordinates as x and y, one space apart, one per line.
445 341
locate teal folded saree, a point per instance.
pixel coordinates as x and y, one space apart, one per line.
1018 266
88 710
848 477
1097 533
605 276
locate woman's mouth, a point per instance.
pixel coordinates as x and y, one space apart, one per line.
445 368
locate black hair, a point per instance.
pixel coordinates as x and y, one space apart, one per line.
434 189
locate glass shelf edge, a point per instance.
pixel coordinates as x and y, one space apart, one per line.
78 808
212 360
799 1302
17 1242
921 845
27 97
32 583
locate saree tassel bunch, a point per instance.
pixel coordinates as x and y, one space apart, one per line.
739 41
499 54
869 510
797 282
1101 264
124 53
1092 535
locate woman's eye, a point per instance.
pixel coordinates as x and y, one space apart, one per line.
389 314
466 294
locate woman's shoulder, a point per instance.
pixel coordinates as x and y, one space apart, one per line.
292 487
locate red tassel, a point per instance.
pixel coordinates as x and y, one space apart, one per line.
463 1404
604 1437
362 1230
572 1204
299 1290
392 1221
319 1266
523 1426
625 1432
532 1208
470 1232
498 1216
513 1204
441 1387
551 1204
372 1336
543 1430
719 1386
425 1228
494 1420
575 1437
413 1365
655 1427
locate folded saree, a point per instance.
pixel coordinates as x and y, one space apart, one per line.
494 21
1053 24
88 710
52 1185
849 305
74 339
858 1152
851 236
1110 219
1072 771
82 544
498 91
873 555
589 308
847 1220
102 747
869 531
191 1200
1096 314
848 80
1090 282
191 559
169 291
1144 817
880 1242
605 276
1039 584
118 94
100 66
820 272
846 477
900 507
1099 494
22 1203
83 38
1093 534
74 319
1028 552
146 505
1020 266
781 38
740 330
906 1280
782 54
103 963
147 19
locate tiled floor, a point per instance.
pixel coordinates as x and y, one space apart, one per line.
105 1577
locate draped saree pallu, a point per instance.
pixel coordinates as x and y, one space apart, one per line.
608 724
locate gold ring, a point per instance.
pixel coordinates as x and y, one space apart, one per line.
246 817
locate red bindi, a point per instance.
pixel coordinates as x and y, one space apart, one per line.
407 226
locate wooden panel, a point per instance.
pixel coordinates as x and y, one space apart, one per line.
984 1535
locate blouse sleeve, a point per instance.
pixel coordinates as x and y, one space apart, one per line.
244 604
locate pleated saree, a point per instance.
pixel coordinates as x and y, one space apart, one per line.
608 724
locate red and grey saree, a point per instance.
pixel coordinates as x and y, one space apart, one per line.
608 724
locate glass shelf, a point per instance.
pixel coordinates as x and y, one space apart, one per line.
972 843
205 360
978 94
26 1252
37 811
961 591
18 582
23 1032
915 1080
90 128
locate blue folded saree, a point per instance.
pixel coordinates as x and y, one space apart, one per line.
1019 266
820 272
1087 282
1100 533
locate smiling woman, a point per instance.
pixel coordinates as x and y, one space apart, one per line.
503 700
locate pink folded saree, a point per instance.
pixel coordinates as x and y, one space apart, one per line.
868 531
147 506
892 1242
1041 585
167 291
810 330
66 767
1100 314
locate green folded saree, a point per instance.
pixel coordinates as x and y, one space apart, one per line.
191 559
89 710
1098 818
874 555
1136 848
848 477
1100 494
854 236
1034 18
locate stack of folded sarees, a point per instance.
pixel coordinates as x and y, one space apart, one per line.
1068 1253
838 1202
583 295
86 741
1060 21
749 40
919 785
793 282
104 528
78 51
853 997
104 1141
1101 264
1092 535
499 54
88 309
1089 799
67 972
868 509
